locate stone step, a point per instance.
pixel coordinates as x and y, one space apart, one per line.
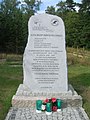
24 98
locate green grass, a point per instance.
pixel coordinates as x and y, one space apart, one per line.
79 77
11 76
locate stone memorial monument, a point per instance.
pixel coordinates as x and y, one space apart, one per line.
45 67
45 64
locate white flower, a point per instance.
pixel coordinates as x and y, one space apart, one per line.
43 107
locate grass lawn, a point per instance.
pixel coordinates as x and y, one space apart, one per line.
11 76
79 77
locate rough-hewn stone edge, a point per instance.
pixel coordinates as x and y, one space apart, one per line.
23 101
25 98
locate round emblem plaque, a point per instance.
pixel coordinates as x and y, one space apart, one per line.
54 22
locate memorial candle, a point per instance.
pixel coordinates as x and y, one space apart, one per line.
48 108
59 104
38 106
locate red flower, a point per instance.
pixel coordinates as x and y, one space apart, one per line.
47 100
53 100
54 108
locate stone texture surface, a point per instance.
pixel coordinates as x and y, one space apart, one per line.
69 113
24 91
25 98
44 60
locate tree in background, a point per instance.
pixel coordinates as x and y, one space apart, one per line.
85 6
14 18
84 13
9 23
73 29
70 5
77 23
50 10
13 24
61 9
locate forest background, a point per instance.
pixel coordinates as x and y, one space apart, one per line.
14 18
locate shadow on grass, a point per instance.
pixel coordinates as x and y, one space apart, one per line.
81 84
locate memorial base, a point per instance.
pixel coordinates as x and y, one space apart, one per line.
25 98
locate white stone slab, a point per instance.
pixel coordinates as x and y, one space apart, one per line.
25 98
45 67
